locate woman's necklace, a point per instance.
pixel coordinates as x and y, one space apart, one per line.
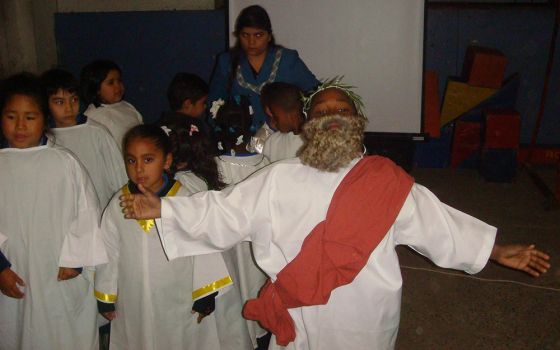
257 88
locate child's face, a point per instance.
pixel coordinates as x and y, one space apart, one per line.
145 163
254 41
329 102
283 121
112 88
23 122
196 110
64 107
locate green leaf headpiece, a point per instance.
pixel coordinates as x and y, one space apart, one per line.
334 83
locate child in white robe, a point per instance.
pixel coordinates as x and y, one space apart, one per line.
49 216
103 90
90 141
283 106
155 300
233 133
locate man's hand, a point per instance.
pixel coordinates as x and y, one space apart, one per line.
9 282
521 257
145 205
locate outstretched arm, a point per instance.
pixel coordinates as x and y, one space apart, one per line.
521 257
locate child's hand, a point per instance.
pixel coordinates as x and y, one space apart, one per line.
204 306
141 206
9 281
67 273
520 257
200 315
110 315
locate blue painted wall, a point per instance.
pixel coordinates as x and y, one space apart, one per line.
150 47
523 34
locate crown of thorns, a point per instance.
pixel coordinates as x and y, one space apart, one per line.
334 83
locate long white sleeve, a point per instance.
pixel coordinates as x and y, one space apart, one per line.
448 237
214 221
82 244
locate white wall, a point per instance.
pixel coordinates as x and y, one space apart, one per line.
376 44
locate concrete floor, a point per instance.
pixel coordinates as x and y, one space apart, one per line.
446 309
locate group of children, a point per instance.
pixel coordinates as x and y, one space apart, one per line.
61 168
63 263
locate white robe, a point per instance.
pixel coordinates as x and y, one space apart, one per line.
279 146
154 296
49 213
250 277
191 182
93 145
279 205
118 118
236 169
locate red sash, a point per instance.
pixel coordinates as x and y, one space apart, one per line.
363 208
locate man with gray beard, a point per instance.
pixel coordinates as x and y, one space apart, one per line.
324 228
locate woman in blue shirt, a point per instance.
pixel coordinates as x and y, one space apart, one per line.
255 61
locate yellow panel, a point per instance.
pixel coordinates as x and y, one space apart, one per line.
460 98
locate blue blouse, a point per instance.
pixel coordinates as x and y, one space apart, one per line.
291 69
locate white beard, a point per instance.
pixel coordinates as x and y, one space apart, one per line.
332 141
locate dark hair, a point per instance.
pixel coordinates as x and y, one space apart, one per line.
91 78
25 84
232 121
151 132
185 86
196 150
253 16
283 95
59 79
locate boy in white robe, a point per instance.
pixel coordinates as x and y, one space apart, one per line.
278 206
90 141
283 106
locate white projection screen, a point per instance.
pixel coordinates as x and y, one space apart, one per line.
376 44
